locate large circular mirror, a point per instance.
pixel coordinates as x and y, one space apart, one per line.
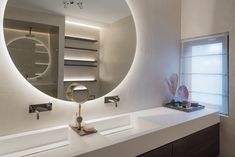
56 43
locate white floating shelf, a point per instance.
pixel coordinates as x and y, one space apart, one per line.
41 52
80 80
39 63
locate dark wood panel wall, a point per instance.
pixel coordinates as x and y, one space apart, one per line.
204 143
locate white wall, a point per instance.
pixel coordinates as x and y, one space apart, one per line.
158 40
205 17
117 51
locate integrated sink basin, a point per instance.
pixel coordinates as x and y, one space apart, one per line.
110 129
121 127
32 142
112 132
162 120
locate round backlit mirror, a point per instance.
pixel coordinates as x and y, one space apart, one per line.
55 43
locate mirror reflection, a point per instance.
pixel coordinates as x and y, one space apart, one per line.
55 43
77 92
35 60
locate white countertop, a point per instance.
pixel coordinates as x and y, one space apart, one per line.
163 126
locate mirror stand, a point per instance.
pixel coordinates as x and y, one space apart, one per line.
79 93
78 127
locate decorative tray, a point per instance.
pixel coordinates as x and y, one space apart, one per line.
82 132
180 107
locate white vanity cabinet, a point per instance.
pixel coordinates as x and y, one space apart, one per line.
160 131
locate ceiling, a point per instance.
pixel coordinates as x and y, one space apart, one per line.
103 11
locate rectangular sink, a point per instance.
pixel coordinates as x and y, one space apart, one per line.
164 119
121 127
110 123
32 142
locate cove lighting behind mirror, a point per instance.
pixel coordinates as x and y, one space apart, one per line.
92 43
82 25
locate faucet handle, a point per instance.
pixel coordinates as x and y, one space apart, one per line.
38 116
117 98
37 108
40 107
112 99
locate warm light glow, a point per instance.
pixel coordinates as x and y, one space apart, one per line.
43 52
78 79
38 74
40 63
80 59
82 24
24 31
88 38
39 45
80 88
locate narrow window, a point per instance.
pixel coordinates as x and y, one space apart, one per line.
204 70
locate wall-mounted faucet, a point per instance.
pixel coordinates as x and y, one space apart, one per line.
37 108
112 99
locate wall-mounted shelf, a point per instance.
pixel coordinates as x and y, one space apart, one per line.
38 74
78 48
44 84
80 63
80 80
41 52
42 64
91 97
81 39
80 89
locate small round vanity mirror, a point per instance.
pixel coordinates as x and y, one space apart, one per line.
30 56
77 92
61 42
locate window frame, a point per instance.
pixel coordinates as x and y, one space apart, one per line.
227 48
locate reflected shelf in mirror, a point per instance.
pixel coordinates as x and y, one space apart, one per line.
81 38
69 62
80 80
23 50
82 49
